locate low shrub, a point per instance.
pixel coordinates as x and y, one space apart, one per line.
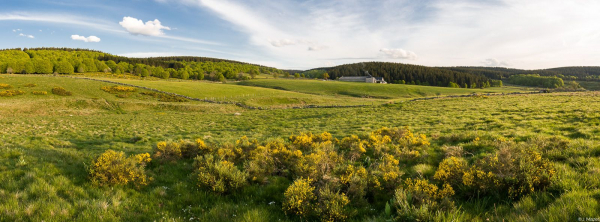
30 85
387 175
179 150
299 198
420 200
10 93
5 86
307 141
164 97
118 89
332 206
451 171
113 168
61 91
512 171
219 176
39 93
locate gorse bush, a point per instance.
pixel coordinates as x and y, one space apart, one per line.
5 86
299 198
180 150
513 171
451 171
10 93
39 93
164 97
332 206
332 176
420 200
61 91
220 176
118 89
113 168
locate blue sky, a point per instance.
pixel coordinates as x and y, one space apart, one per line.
303 34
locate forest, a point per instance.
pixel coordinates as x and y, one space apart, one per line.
407 74
588 73
69 61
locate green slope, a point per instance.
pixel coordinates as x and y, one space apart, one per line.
388 91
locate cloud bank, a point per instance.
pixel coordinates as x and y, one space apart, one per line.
399 54
85 39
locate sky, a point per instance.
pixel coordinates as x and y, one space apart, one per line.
305 34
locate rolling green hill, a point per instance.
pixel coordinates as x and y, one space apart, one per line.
366 90
87 98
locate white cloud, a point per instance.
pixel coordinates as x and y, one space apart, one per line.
495 63
398 54
16 30
28 36
138 27
282 42
530 34
85 39
62 19
317 48
86 22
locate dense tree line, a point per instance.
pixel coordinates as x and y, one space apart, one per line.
68 61
591 73
536 80
408 74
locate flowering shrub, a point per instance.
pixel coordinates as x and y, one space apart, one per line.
10 93
332 205
220 176
30 85
61 91
355 181
419 200
5 86
118 89
299 198
306 141
387 174
319 164
451 171
39 93
113 168
353 147
164 97
513 171
260 165
179 150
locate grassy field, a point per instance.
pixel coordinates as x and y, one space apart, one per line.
363 90
253 96
47 144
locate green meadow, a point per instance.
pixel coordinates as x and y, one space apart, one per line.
361 90
48 144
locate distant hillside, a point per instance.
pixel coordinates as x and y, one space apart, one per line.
567 73
68 61
404 73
